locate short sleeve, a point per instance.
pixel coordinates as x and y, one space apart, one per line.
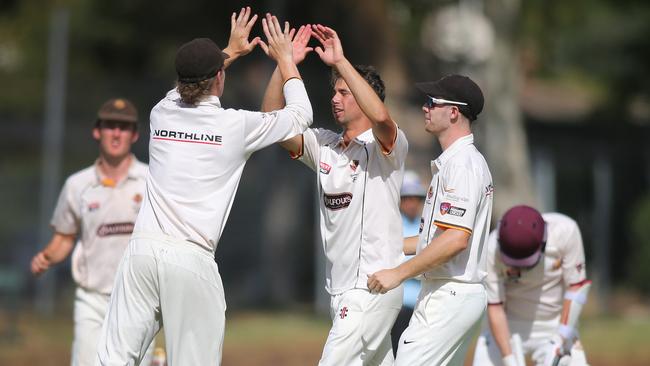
313 139
310 148
65 219
494 285
573 262
399 151
459 200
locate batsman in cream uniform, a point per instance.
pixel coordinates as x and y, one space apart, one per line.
97 207
536 266
197 154
450 250
358 184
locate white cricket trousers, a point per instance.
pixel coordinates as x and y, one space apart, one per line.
90 308
164 281
446 318
361 324
534 335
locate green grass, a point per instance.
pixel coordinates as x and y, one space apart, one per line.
613 340
288 339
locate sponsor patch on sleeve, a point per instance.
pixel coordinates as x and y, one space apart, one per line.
447 209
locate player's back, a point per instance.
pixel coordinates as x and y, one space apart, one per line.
197 155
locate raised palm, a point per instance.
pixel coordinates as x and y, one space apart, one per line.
331 50
300 41
240 29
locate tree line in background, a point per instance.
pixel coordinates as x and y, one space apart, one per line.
127 47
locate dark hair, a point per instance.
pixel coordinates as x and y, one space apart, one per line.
371 76
193 93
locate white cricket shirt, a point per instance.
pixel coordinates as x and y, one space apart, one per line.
358 190
459 197
101 215
537 293
196 158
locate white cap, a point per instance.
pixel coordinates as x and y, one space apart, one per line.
412 185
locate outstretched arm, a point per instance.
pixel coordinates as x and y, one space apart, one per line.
273 98
240 29
55 252
331 53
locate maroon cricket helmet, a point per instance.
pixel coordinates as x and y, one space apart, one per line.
521 236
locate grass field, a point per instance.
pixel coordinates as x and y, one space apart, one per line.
292 339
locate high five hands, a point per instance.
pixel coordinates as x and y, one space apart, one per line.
280 42
240 29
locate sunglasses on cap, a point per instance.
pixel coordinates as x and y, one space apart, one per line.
431 102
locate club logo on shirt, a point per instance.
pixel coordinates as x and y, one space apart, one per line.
92 206
337 201
118 228
344 312
325 168
421 225
354 164
137 198
447 208
513 274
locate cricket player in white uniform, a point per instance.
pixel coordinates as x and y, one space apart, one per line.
450 252
197 154
94 216
537 284
359 174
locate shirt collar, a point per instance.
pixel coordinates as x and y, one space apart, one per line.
132 173
452 150
173 95
363 138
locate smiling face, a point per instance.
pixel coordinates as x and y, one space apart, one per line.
115 138
344 106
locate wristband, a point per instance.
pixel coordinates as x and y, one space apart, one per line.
568 333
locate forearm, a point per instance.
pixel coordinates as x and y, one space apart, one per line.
288 69
58 248
566 304
410 245
232 56
499 326
273 97
439 251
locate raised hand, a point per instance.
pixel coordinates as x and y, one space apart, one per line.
300 41
331 50
240 29
278 45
